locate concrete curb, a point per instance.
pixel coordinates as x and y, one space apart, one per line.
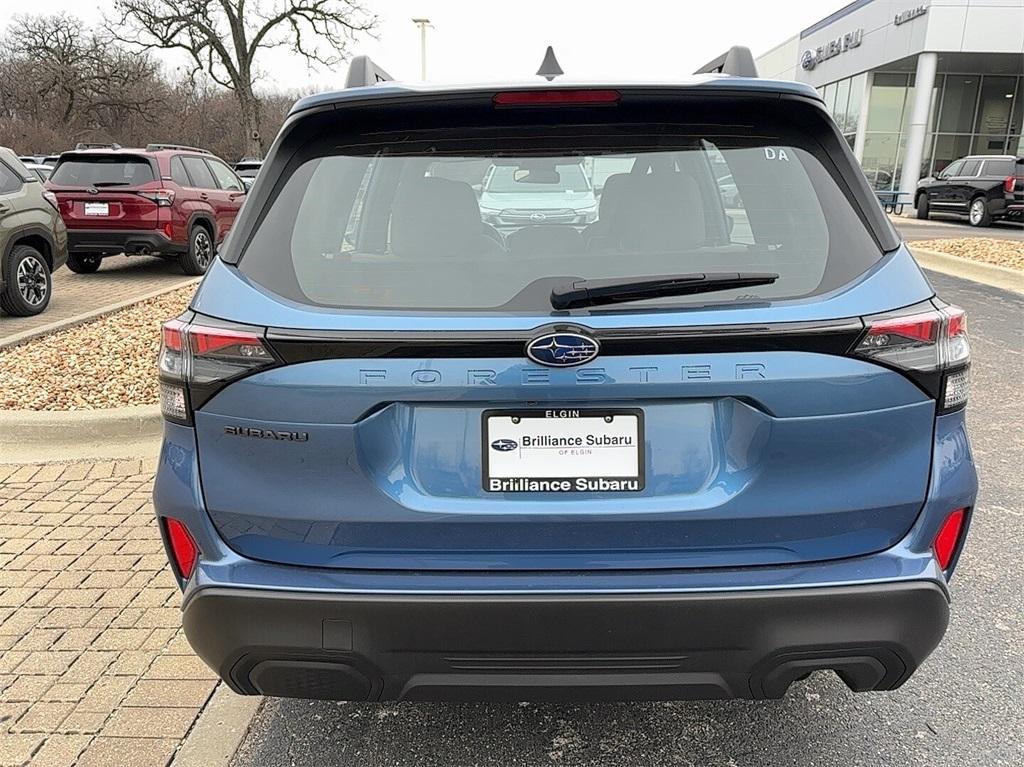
978 271
219 730
28 335
30 436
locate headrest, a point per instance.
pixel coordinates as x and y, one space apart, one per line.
614 189
436 216
660 212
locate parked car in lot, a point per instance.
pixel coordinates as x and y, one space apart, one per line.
165 200
33 240
247 169
537 191
42 172
664 458
984 188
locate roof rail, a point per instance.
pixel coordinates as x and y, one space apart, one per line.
181 147
738 61
363 71
83 145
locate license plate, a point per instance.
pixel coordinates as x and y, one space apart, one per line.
563 451
97 209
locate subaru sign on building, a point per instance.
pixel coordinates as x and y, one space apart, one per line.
914 85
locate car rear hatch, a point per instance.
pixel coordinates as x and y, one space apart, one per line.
109 190
378 382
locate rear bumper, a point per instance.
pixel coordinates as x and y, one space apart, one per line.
109 242
730 644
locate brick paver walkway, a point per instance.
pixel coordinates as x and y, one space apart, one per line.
94 669
119 279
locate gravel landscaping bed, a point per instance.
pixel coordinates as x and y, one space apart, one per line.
109 362
991 251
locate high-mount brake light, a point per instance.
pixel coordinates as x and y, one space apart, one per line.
931 345
550 98
197 360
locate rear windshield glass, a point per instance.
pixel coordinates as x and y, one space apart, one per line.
440 222
102 171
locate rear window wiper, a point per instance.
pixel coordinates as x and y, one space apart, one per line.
621 289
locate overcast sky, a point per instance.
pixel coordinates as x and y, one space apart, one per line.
487 40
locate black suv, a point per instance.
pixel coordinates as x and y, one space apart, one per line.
982 187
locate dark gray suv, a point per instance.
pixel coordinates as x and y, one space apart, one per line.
33 240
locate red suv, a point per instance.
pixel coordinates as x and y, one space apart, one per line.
164 200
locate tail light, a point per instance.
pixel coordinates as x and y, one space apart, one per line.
164 198
1010 185
183 549
197 360
51 198
930 345
948 537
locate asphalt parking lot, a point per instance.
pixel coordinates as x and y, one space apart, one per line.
962 708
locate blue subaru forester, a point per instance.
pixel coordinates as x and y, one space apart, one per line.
699 446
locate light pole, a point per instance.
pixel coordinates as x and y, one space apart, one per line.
423 24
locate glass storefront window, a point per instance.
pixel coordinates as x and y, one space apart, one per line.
958 102
989 144
949 148
856 102
830 98
842 100
1017 119
885 105
995 104
879 161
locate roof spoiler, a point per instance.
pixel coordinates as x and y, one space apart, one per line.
738 61
363 71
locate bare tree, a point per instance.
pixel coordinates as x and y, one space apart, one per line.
224 38
55 71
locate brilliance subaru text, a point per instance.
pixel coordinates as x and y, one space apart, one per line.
694 447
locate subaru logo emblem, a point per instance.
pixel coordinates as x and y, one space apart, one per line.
562 349
504 445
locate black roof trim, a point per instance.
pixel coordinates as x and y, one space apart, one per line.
738 61
363 71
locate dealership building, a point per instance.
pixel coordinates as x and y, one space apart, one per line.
914 85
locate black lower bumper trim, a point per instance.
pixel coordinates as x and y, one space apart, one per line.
750 644
108 242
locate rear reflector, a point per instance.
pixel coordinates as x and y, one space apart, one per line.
948 537
183 548
556 98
